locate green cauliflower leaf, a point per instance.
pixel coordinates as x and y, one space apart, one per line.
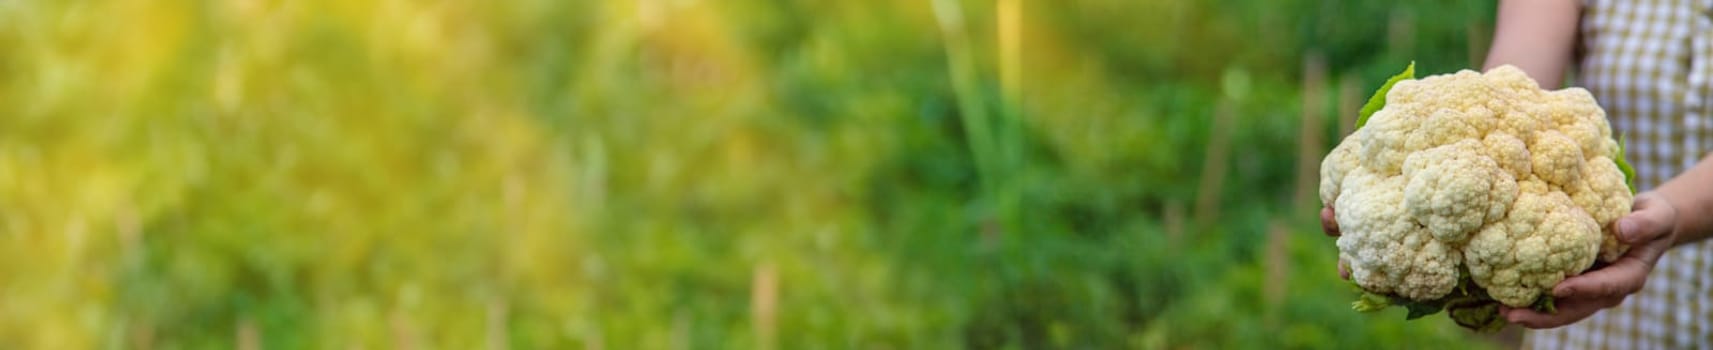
1378 101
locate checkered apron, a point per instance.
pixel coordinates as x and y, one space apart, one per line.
1649 63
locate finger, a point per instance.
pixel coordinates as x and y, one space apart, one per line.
1649 251
1328 223
1569 311
1343 269
1649 219
1623 277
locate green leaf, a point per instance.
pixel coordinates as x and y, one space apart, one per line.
1629 171
1481 317
1379 99
1370 302
1546 304
1419 310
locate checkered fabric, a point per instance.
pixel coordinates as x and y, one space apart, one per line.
1649 62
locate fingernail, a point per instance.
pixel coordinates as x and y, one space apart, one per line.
1560 292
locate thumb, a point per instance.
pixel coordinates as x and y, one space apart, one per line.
1328 222
1651 218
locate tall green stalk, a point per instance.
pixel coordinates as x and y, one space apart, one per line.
994 152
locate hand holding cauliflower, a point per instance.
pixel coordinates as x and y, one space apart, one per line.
1472 178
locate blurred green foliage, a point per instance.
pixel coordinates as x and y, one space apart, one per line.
684 174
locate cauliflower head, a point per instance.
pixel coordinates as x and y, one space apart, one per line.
1476 177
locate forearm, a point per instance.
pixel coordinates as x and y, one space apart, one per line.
1537 36
1691 193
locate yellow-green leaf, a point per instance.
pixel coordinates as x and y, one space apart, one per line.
1629 171
1379 99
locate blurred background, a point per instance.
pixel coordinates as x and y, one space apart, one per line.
673 174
